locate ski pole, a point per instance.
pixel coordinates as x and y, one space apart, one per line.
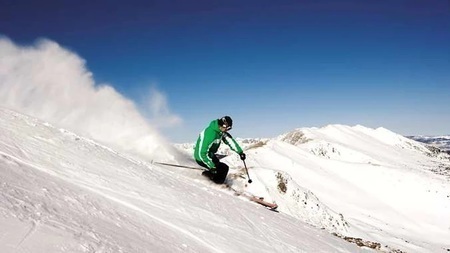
246 170
179 166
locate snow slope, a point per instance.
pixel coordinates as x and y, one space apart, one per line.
382 182
61 192
362 182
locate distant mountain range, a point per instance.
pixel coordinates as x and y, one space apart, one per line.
441 142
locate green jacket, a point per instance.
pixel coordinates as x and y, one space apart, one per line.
208 143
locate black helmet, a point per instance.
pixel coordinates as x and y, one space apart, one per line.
226 122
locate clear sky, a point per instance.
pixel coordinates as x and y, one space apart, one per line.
271 65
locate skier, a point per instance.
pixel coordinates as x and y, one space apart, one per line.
207 145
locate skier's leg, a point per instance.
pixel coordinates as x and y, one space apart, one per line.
206 172
201 164
222 171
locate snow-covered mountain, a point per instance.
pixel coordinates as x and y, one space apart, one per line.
61 192
441 142
368 183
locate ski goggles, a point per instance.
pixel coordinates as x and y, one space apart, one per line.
226 127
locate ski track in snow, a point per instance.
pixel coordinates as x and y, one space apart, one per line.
162 221
33 229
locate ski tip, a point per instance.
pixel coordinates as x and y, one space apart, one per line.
273 207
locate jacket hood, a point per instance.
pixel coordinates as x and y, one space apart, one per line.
215 125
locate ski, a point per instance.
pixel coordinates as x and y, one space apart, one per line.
261 201
256 199
268 205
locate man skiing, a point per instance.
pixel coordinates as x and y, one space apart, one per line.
207 145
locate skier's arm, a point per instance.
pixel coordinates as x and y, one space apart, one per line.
206 139
231 142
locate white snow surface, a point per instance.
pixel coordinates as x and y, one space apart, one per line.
383 183
61 192
367 183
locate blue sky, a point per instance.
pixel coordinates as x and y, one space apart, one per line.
271 65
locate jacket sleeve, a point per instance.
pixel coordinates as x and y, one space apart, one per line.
231 142
206 139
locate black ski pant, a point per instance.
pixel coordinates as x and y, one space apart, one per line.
221 169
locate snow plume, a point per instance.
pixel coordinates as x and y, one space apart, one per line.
52 83
159 109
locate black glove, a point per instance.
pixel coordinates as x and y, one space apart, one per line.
242 155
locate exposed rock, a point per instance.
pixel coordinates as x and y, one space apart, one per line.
295 138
